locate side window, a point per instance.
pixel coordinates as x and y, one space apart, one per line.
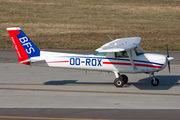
121 54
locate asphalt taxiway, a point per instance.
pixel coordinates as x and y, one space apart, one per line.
37 92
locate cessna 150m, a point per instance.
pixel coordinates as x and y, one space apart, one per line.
118 56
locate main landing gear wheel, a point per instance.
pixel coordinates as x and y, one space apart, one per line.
155 82
118 82
125 78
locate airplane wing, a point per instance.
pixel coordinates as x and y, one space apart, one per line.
120 45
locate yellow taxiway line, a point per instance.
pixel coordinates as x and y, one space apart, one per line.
81 91
45 118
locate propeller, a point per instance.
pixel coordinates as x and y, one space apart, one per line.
168 60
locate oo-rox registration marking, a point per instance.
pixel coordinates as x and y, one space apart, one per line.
87 61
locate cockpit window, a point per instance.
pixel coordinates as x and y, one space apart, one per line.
121 54
138 51
100 53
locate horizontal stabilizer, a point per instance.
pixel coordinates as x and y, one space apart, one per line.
36 59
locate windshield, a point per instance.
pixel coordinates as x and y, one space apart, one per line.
138 51
100 53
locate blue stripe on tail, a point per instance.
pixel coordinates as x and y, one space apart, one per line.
28 45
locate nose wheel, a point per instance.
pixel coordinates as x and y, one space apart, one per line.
155 82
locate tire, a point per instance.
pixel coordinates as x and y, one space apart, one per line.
125 78
118 82
155 82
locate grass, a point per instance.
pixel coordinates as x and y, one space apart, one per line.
84 24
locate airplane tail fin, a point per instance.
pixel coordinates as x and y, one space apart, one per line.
24 47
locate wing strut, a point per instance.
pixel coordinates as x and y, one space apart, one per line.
130 57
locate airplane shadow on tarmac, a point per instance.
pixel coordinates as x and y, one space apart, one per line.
75 82
165 83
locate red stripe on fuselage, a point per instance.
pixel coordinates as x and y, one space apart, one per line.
142 65
58 61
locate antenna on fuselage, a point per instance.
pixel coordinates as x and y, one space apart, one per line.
110 37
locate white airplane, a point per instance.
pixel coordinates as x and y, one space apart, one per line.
118 56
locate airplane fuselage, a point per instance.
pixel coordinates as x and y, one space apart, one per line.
144 63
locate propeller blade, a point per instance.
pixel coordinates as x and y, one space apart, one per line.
167 51
169 67
168 61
